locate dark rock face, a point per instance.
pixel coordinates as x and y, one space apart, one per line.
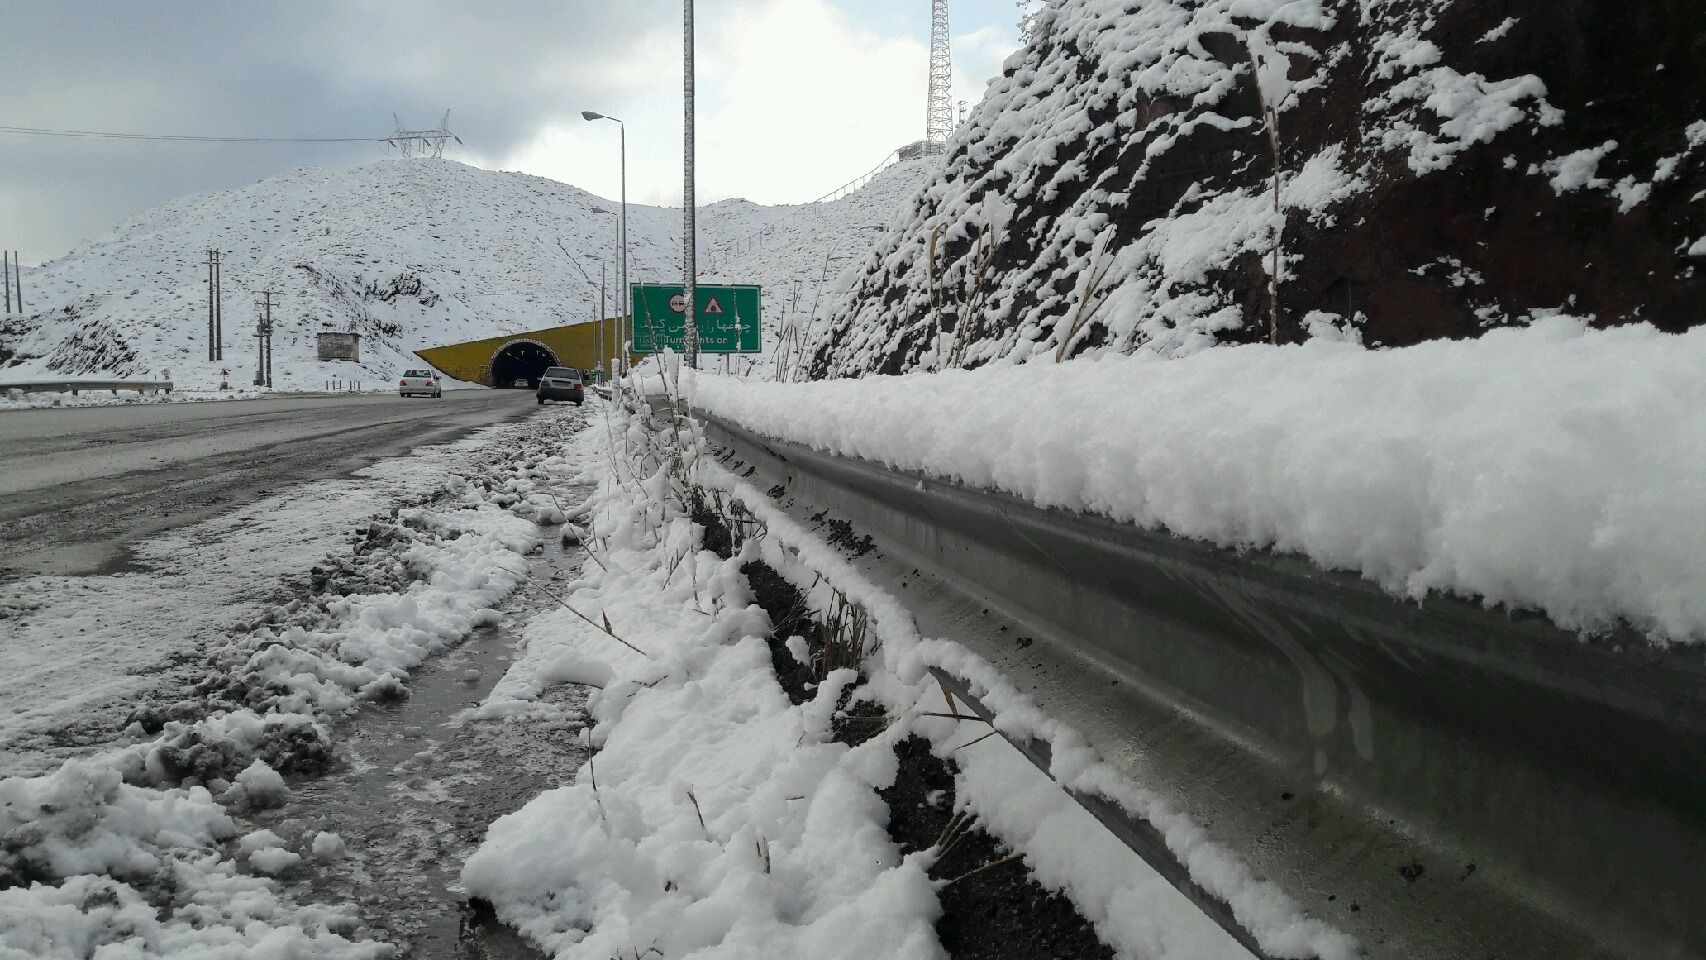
1445 167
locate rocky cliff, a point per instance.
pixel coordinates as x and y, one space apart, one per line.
1168 175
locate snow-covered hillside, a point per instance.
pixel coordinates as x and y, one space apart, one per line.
804 254
408 253
1421 168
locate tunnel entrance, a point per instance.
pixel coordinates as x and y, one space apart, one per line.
521 360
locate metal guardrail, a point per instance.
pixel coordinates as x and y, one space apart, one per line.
1436 779
76 387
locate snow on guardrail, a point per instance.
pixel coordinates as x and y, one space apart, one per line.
75 387
1557 467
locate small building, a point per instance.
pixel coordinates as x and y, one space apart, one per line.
518 359
339 346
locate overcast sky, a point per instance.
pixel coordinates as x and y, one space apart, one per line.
795 97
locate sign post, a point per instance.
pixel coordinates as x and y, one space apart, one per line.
728 317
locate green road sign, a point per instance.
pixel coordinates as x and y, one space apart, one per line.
728 318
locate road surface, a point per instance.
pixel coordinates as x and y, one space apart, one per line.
78 486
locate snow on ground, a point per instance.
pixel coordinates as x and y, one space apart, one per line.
719 820
20 400
803 255
105 398
80 647
1556 468
409 254
135 852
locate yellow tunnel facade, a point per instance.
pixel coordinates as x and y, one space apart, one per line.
517 360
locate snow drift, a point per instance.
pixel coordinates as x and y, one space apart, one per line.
1554 467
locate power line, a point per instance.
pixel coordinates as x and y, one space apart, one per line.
178 138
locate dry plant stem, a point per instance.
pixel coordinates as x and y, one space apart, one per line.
977 741
953 705
949 830
959 827
592 769
1271 121
604 626
698 813
988 866
952 716
1089 304
553 495
594 558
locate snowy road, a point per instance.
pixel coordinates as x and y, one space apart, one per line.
78 486
131 537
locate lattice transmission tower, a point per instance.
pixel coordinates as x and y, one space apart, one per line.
426 143
939 114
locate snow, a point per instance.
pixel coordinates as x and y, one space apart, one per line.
128 853
1580 169
258 787
82 645
408 253
1084 865
327 845
1109 83
1556 468
719 820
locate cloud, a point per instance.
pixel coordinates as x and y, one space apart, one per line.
796 96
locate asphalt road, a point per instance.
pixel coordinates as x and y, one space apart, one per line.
79 485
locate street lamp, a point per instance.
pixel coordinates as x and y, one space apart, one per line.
625 335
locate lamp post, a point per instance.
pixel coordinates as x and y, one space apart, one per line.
690 232
626 327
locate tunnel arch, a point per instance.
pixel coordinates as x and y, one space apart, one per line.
521 360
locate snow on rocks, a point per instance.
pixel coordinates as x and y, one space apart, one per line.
1553 468
1115 189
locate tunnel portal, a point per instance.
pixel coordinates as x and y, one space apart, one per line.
521 360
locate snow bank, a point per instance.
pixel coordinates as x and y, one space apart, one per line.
717 819
1557 468
1133 909
129 854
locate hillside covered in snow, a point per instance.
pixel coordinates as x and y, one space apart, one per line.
407 253
1162 175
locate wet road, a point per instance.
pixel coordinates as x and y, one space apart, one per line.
78 486
418 781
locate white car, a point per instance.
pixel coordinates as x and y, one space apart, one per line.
422 383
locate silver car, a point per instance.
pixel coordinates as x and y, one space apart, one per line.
419 383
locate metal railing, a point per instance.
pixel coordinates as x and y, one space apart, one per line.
76 387
1436 779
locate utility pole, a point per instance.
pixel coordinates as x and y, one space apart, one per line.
689 256
269 346
218 309
603 317
625 326
18 278
263 343
8 258
212 327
